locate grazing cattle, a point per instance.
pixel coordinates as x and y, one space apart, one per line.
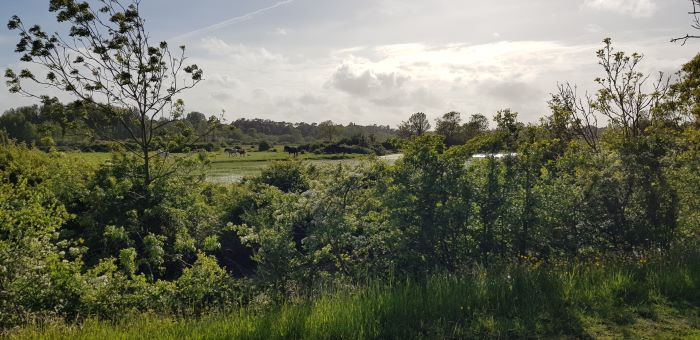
231 151
291 150
241 152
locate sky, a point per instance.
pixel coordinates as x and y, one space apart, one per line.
378 61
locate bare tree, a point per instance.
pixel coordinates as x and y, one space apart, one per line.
625 97
583 122
696 23
108 60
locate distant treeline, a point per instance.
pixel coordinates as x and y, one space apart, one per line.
84 127
81 127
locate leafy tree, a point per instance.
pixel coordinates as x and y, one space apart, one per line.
327 130
53 111
572 113
429 198
18 124
416 125
477 124
198 121
684 104
449 126
642 208
508 128
558 126
685 94
108 60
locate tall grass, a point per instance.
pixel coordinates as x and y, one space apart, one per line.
525 300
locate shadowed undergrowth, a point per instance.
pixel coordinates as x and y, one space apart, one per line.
621 299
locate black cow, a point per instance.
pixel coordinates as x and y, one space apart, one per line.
291 150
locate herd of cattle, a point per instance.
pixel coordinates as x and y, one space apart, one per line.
235 151
239 151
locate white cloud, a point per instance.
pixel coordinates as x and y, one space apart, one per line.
222 96
224 80
310 99
635 8
384 83
367 82
505 60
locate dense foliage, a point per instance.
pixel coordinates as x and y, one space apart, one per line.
78 241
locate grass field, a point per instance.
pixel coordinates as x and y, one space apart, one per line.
608 301
225 168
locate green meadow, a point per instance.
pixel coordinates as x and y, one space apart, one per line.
223 168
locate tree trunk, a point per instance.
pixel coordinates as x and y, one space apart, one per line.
146 167
527 213
145 148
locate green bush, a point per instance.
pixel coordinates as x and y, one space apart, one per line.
288 176
264 146
37 275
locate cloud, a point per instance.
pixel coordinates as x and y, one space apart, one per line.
382 83
504 60
366 83
635 8
390 89
280 31
385 83
512 91
222 96
593 28
224 80
420 99
310 99
239 53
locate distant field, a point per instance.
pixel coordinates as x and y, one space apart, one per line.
225 168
